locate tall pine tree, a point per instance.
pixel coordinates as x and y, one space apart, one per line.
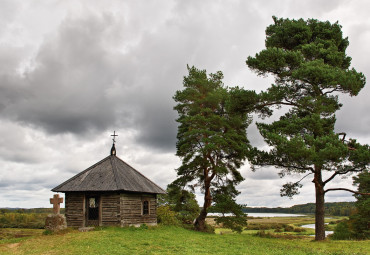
212 141
309 62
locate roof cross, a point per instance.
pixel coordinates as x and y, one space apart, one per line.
114 137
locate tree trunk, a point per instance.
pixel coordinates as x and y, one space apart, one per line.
200 222
320 203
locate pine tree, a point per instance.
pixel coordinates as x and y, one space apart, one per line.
309 62
212 140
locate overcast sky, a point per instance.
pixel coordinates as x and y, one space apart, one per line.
72 72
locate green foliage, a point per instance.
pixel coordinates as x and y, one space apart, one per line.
29 211
166 216
358 225
22 220
225 204
209 229
143 226
47 232
182 202
211 138
360 221
342 232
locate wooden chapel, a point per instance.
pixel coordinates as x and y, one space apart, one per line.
110 193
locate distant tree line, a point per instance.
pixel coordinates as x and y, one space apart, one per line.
24 218
31 210
334 209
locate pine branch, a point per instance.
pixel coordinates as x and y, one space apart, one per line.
288 166
304 177
355 192
340 173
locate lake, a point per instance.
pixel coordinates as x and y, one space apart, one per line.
313 226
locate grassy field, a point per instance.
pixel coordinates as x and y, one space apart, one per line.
171 240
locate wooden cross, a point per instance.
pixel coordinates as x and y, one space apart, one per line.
114 137
56 201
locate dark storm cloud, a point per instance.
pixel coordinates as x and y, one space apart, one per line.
81 82
65 90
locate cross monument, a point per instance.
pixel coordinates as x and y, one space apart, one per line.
56 201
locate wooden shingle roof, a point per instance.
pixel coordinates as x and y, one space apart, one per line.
110 174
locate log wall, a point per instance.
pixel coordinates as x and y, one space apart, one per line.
75 209
110 209
116 209
131 209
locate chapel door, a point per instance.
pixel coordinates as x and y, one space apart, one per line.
92 210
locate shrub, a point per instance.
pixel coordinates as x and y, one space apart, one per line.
265 226
236 224
299 230
342 232
143 226
209 229
47 232
166 216
288 228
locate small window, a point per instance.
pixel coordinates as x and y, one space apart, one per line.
92 202
145 207
93 208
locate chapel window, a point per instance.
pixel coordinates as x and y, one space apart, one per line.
145 207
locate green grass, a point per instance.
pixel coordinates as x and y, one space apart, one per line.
11 235
173 240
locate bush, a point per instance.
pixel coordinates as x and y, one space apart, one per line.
209 229
166 216
236 224
342 232
143 226
265 226
47 232
298 230
288 228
